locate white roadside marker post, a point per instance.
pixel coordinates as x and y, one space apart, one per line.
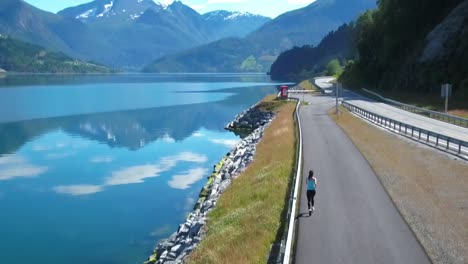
337 91
446 91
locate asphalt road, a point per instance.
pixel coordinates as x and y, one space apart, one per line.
403 116
355 221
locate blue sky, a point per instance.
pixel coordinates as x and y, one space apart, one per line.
262 7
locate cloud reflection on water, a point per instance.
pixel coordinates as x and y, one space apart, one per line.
138 174
135 174
101 159
79 189
185 180
14 166
226 142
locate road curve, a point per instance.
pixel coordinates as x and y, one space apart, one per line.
394 113
355 221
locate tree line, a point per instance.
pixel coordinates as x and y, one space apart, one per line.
382 49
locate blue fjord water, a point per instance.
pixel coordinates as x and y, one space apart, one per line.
97 169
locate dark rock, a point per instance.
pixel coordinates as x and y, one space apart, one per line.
194 230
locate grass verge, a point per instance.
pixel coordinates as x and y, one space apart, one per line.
249 213
428 187
308 85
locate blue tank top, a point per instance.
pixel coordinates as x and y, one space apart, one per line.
310 185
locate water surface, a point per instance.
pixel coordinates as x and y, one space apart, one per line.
97 169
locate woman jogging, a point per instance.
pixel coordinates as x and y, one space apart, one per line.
311 186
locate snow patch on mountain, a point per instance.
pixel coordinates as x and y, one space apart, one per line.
228 15
86 14
165 4
135 16
107 8
237 15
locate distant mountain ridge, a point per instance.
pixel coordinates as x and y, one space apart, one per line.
305 26
120 33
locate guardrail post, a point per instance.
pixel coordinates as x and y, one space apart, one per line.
459 147
428 133
437 140
412 131
419 138
448 142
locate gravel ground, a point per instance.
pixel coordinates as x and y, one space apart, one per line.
428 187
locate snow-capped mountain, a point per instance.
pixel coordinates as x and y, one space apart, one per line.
230 24
120 10
119 33
222 15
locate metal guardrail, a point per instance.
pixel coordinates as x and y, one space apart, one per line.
301 91
459 121
449 144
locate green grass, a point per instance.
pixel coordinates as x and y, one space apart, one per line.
308 85
250 213
271 103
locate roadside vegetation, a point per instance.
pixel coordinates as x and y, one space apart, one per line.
334 68
250 213
427 186
397 51
308 86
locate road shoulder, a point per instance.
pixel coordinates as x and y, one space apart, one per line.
427 187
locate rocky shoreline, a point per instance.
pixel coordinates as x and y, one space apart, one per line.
189 234
250 119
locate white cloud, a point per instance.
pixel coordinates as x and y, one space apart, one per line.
164 2
225 1
78 189
211 2
101 159
184 181
14 166
197 7
226 142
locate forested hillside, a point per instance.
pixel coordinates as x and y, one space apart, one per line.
18 56
413 46
303 62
